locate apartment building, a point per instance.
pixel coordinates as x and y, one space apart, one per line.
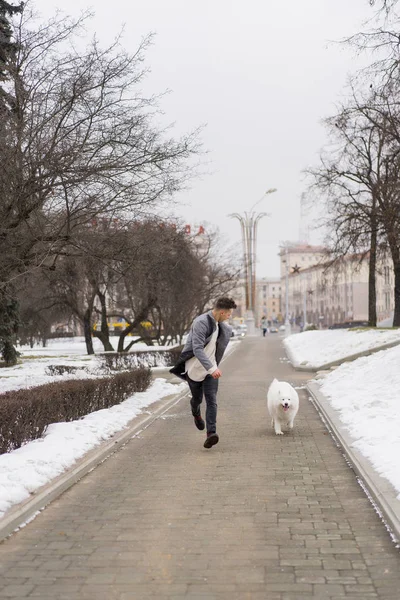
335 294
269 299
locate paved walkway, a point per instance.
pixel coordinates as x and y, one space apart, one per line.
256 517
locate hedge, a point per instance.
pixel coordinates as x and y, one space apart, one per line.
25 414
117 361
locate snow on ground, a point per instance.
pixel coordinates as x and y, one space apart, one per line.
366 395
317 348
76 345
365 392
36 463
33 370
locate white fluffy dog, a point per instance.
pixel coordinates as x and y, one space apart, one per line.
283 404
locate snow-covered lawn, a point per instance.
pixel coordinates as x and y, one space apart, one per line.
33 368
316 348
76 346
25 470
366 394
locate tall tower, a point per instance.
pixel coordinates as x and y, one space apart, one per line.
249 223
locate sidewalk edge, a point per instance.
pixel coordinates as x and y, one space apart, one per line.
27 510
335 363
380 490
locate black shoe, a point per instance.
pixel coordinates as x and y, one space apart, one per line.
199 422
212 439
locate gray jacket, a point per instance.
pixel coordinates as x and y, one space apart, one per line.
200 334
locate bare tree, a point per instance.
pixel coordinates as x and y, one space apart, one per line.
350 177
170 279
78 142
158 258
380 38
363 178
385 5
38 310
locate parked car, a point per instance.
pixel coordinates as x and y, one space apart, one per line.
239 330
349 325
237 333
273 329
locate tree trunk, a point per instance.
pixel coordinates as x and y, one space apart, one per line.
104 334
396 315
87 328
10 354
138 319
129 346
372 273
9 321
123 335
395 254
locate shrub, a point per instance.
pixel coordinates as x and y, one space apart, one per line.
311 328
119 361
25 414
61 369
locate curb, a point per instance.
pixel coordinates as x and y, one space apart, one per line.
339 361
26 511
379 490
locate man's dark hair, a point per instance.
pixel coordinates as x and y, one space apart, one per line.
225 303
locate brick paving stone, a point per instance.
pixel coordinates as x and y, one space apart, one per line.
256 517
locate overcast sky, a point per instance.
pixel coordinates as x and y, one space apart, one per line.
261 75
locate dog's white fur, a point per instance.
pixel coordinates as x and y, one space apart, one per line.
283 404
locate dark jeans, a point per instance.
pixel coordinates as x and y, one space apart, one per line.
209 388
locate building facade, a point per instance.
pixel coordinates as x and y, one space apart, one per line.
269 299
335 294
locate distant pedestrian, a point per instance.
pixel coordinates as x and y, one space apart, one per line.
264 326
199 360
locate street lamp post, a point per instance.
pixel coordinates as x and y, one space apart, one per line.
249 223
